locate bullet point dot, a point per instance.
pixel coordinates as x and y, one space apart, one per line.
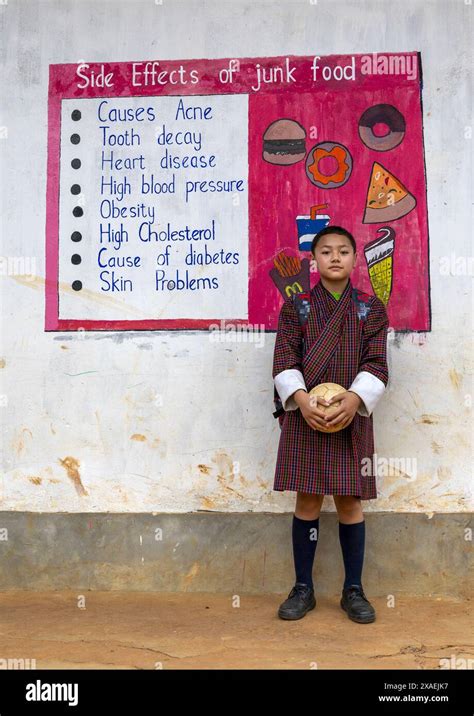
76 259
76 285
76 163
77 211
75 139
76 189
76 115
76 236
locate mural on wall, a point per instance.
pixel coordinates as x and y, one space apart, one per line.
290 274
379 257
182 193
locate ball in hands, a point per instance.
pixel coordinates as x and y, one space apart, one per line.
327 391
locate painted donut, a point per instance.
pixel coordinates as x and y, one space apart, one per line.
382 114
331 150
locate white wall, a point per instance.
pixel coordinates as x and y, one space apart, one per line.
156 421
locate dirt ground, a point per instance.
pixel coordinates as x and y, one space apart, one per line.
139 630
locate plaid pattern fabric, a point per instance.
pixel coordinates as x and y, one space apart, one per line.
302 307
330 463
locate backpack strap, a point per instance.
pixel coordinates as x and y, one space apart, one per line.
362 302
302 304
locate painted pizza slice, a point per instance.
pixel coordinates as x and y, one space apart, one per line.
387 198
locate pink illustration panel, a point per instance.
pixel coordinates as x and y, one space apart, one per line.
185 194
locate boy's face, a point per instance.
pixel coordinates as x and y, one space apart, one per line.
335 257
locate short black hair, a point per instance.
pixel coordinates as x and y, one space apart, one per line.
333 230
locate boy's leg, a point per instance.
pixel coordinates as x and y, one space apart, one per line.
352 539
305 532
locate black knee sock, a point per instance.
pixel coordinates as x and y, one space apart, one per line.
352 539
305 535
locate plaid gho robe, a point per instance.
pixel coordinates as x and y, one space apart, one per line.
341 346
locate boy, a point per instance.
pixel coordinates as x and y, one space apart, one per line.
345 343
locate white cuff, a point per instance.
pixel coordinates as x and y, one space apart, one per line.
286 383
370 389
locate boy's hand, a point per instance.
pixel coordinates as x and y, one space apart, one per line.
346 410
308 405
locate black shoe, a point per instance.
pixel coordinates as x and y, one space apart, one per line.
300 601
356 604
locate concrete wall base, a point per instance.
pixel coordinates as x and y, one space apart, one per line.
228 552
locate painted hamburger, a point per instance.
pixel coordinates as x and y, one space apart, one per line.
284 142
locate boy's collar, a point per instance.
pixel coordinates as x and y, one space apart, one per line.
348 287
